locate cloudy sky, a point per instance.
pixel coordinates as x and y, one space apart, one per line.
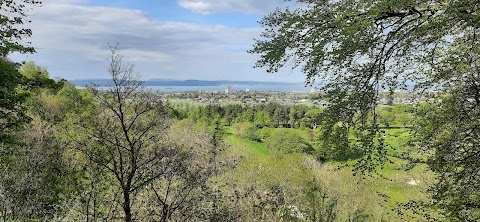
174 39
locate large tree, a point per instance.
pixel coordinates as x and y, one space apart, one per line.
363 47
123 136
13 15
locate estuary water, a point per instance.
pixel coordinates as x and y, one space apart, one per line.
234 88
222 88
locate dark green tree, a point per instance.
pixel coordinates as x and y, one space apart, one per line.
363 47
13 15
12 110
312 118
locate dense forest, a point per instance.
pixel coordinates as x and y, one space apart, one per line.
121 153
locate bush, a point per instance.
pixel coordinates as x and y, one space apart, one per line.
247 130
288 141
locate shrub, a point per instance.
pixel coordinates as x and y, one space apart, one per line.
288 141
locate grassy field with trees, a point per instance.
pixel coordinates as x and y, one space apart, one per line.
121 153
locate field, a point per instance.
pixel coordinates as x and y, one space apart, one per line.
369 198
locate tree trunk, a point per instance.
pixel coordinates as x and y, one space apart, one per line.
165 216
126 206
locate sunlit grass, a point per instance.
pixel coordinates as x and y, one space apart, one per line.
375 197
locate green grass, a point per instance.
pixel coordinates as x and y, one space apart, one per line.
258 147
396 139
302 133
375 196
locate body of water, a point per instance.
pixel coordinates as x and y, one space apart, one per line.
234 88
251 88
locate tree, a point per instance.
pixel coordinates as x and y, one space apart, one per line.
262 119
12 109
363 47
38 77
36 178
318 206
385 116
35 181
31 70
123 137
13 15
277 116
312 118
179 194
287 141
292 117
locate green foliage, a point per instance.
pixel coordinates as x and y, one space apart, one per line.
334 144
12 98
39 78
385 116
262 119
334 190
318 207
54 107
312 118
36 180
32 71
246 116
287 141
451 129
12 34
252 134
363 47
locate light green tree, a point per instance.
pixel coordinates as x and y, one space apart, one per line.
287 141
31 70
262 119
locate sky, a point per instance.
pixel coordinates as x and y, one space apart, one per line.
163 39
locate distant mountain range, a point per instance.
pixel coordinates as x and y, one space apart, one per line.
170 82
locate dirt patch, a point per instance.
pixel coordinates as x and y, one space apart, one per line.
413 182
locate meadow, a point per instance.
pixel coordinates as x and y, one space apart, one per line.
376 197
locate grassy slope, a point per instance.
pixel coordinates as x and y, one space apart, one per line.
372 196
258 147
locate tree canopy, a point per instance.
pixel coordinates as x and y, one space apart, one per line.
12 111
359 48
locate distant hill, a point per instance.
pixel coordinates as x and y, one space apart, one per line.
170 82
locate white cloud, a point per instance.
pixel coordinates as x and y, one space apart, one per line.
197 6
246 6
72 41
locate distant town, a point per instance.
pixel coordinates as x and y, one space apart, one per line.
247 96
247 92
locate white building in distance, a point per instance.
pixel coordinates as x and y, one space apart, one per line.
228 90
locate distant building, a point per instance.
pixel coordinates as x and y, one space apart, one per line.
247 90
228 90
313 90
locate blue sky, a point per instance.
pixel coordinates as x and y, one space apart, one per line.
175 39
